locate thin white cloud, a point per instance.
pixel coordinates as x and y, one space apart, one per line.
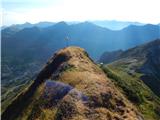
69 10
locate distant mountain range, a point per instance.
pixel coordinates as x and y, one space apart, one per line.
86 35
115 25
110 24
39 24
29 25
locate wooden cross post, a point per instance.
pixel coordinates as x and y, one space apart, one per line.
67 40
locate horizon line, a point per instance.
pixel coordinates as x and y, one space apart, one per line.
57 21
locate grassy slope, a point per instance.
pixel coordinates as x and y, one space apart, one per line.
136 91
85 76
35 110
12 94
16 76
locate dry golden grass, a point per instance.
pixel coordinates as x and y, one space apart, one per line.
104 100
89 79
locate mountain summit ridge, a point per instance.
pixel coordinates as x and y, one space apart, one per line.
71 87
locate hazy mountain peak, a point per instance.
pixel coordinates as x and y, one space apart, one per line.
61 23
87 23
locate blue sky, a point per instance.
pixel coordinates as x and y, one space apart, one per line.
20 11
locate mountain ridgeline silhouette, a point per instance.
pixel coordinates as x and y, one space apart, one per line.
86 35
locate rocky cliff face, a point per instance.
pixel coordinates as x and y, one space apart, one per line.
71 87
